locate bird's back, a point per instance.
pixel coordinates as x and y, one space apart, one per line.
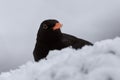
68 40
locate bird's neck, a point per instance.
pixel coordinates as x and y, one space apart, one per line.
51 38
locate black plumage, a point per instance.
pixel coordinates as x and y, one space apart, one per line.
50 37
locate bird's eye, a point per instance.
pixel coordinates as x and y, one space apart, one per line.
45 26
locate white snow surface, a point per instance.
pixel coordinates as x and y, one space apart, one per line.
98 62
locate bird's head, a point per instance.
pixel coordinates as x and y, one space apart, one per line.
50 25
50 29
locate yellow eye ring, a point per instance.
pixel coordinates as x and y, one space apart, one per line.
45 26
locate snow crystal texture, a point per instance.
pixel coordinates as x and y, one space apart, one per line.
98 62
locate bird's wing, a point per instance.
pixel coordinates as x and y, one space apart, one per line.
68 40
75 42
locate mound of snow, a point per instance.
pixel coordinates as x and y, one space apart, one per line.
99 62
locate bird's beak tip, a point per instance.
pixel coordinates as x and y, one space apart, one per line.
57 26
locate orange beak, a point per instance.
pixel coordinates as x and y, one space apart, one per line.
57 26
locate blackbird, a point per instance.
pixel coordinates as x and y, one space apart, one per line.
50 37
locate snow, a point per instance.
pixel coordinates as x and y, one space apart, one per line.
98 62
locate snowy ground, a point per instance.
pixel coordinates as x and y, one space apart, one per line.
100 62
